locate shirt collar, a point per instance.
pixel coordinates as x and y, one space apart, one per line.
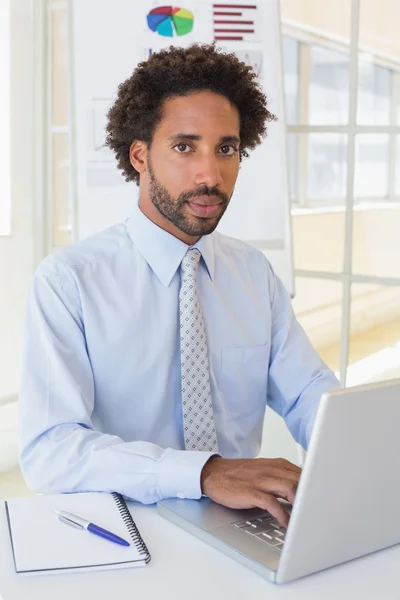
162 251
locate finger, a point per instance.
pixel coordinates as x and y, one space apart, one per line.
282 463
271 505
280 473
279 487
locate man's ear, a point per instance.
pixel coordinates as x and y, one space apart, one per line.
138 155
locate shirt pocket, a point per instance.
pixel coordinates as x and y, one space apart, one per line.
243 379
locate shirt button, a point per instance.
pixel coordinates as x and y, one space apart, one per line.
181 496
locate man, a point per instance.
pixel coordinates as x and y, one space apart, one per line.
152 348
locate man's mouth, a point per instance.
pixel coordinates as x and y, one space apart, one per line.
206 206
205 200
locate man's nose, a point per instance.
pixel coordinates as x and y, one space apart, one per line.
208 172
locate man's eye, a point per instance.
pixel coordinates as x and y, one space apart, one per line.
228 150
182 148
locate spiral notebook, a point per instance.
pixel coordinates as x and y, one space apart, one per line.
42 544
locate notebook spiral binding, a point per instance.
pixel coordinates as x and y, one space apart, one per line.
131 527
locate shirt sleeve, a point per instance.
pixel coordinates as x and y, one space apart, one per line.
60 451
297 375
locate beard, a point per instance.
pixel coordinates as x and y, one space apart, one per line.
175 210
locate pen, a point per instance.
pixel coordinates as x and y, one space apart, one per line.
80 523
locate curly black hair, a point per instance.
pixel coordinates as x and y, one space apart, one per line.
178 72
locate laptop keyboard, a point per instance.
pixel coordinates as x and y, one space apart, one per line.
264 527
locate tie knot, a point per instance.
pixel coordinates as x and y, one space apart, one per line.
190 262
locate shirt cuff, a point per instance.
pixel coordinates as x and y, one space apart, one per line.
180 472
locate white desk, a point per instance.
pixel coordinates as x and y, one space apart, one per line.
185 568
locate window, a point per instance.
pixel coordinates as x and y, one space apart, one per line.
335 261
327 164
5 78
317 87
329 87
374 92
372 166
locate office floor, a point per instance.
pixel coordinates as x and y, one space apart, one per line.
369 352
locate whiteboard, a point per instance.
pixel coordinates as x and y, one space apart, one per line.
107 40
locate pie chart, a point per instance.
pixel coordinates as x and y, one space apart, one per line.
169 21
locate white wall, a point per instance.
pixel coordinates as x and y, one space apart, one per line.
16 250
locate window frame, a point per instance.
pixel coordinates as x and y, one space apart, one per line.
306 38
346 276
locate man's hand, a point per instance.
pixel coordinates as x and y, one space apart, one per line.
251 483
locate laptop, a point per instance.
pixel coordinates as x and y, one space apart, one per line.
347 502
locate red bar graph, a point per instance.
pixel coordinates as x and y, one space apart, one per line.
227 14
238 6
236 30
241 19
226 37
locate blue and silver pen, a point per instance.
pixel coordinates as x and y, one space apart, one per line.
80 523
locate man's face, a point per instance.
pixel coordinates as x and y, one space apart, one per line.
192 165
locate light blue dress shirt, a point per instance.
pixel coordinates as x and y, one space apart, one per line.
100 398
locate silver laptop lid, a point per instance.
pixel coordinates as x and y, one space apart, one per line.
348 499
